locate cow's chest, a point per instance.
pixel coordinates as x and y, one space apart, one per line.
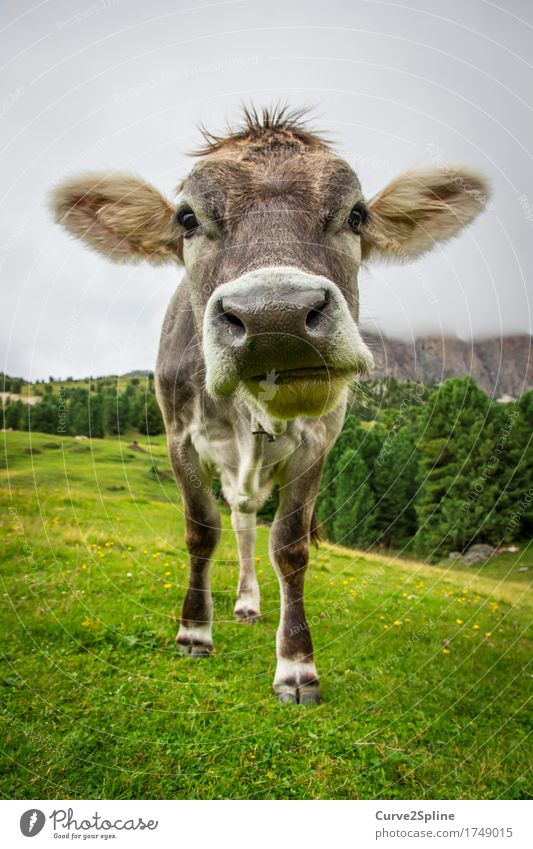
247 464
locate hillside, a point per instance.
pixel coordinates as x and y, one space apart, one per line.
500 366
424 669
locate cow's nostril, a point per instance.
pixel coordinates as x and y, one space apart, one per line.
234 323
233 319
315 315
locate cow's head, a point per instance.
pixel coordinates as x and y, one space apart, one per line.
272 228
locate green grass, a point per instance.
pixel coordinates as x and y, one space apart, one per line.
424 669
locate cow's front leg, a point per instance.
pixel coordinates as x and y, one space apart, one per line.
247 606
202 532
296 678
195 633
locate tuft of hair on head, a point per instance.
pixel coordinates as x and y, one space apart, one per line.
277 125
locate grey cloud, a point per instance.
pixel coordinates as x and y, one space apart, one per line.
116 84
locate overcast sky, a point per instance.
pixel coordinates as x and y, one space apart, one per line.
122 84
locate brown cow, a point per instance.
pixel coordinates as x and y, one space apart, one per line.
260 343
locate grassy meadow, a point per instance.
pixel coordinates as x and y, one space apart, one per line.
426 670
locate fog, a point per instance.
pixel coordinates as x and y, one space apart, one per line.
123 85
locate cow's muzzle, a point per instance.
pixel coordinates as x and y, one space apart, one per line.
277 329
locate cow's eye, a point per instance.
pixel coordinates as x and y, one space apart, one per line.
187 219
357 217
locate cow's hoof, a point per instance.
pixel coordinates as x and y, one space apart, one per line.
308 695
194 650
296 681
244 614
193 643
287 698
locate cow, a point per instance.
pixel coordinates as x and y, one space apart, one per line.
260 346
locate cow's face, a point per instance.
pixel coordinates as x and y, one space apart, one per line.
272 236
272 247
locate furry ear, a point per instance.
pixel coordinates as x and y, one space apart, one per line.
420 207
120 216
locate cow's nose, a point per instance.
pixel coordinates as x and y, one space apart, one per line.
300 313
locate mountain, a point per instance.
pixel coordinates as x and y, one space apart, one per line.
500 366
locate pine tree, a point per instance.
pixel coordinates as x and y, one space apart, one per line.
395 489
516 507
14 416
97 416
43 416
78 405
353 521
338 478
449 508
149 420
117 412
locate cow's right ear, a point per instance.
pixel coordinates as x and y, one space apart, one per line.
120 216
429 204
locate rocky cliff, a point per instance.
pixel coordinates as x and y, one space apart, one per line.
500 366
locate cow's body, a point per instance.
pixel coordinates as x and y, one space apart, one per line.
222 439
260 344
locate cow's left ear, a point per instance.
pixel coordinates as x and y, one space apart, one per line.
120 216
420 207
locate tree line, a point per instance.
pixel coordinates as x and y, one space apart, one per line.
435 471
101 409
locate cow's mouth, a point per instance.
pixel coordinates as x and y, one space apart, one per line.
310 373
306 391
